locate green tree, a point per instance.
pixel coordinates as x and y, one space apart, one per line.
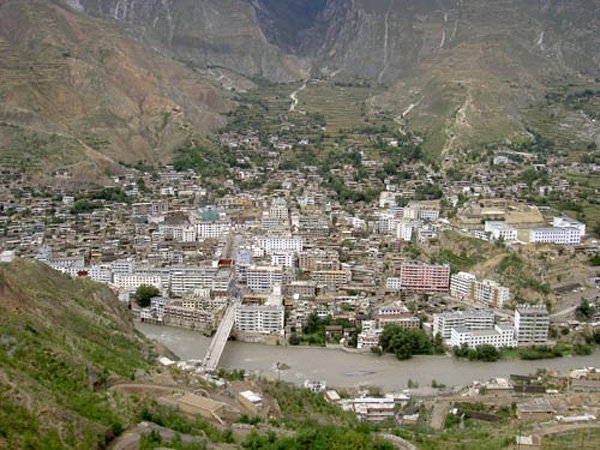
144 293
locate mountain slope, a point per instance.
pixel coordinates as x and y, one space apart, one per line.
79 93
205 33
464 72
60 340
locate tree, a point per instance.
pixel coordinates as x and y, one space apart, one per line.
585 310
144 293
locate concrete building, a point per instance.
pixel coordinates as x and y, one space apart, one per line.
424 277
264 278
470 320
568 222
531 324
267 318
272 244
501 231
466 287
555 235
501 335
331 278
397 314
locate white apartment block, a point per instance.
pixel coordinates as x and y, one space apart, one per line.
471 320
465 286
531 324
501 335
272 244
279 210
555 235
264 278
265 319
501 231
568 222
186 279
285 259
212 230
392 284
122 266
135 280
387 222
405 229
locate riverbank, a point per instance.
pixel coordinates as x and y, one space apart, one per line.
351 370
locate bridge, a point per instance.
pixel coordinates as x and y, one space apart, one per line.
217 345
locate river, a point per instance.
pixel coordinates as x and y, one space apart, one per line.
342 369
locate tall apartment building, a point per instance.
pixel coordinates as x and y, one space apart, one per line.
263 278
265 319
555 235
279 210
212 230
531 324
465 286
424 277
471 320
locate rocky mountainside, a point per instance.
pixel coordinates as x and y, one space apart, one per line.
79 93
88 83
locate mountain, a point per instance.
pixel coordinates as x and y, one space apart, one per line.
79 93
88 83
465 72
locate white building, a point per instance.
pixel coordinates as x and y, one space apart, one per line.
272 244
470 320
568 222
264 278
212 230
135 280
122 266
531 324
368 339
285 259
501 335
265 319
465 286
555 235
392 284
405 229
501 231
186 279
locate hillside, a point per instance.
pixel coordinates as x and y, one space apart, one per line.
74 374
61 341
78 93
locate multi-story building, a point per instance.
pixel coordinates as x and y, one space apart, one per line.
555 235
137 279
319 260
398 314
122 266
501 335
405 229
263 278
272 244
186 279
501 231
531 324
331 278
267 318
568 222
424 277
368 339
212 230
304 289
285 259
465 286
471 320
